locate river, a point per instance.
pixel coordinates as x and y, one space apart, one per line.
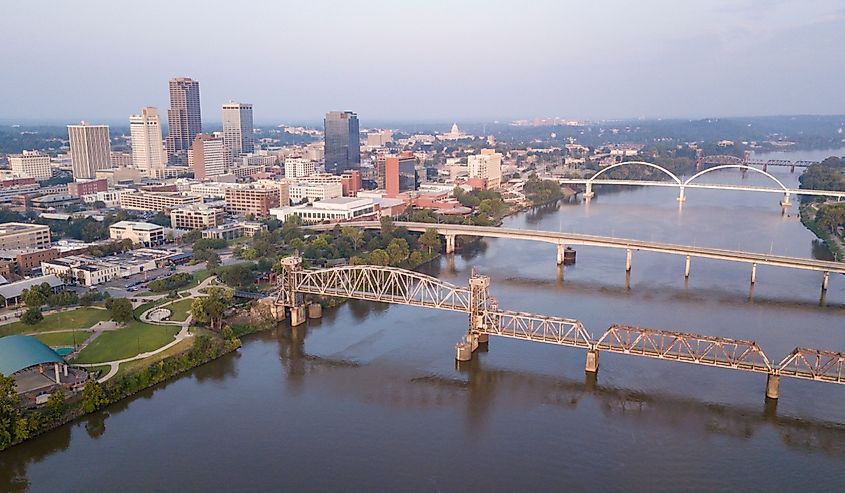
370 399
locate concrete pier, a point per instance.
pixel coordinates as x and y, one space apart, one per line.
315 310
682 196
628 257
825 281
592 365
483 338
463 351
561 253
687 267
753 272
773 386
450 243
785 202
297 315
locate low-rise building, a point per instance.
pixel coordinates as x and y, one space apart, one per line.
32 164
315 191
251 200
230 231
330 210
11 293
87 187
23 261
86 270
110 198
156 201
196 216
24 236
146 234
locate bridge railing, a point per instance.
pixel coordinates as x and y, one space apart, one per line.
814 364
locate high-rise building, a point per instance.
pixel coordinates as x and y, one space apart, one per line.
33 164
147 149
400 174
90 149
237 128
343 141
209 156
184 119
487 166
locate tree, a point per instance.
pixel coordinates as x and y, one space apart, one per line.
121 310
213 261
387 226
209 310
355 236
398 251
55 408
379 257
9 411
32 315
237 275
431 240
93 397
33 297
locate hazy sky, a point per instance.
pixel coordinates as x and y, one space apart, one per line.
411 60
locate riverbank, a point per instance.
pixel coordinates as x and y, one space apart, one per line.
834 244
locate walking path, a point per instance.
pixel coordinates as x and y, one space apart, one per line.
155 316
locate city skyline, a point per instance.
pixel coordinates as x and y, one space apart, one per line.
711 59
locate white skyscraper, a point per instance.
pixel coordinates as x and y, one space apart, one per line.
237 128
90 149
147 147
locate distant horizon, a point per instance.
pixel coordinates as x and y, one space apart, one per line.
378 123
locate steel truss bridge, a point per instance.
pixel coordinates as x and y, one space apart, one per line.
405 287
721 159
673 181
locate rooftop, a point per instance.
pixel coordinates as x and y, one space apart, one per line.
20 352
11 228
13 290
137 225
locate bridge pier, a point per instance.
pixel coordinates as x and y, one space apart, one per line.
450 243
628 257
772 386
588 193
792 168
785 202
297 315
825 281
592 365
561 252
687 267
753 273
681 196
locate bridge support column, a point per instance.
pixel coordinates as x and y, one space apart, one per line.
686 268
785 202
464 348
297 315
561 250
588 193
592 365
792 168
315 310
825 280
681 196
628 257
753 272
450 243
772 386
277 310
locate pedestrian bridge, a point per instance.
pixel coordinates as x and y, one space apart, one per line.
693 182
564 239
485 319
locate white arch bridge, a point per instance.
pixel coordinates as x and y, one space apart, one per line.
673 181
405 287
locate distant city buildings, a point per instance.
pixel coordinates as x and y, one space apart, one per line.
237 128
400 174
486 166
298 167
140 233
184 118
147 148
196 216
209 156
379 138
252 200
342 141
32 164
24 236
90 149
156 201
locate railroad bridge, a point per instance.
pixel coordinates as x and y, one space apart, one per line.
486 318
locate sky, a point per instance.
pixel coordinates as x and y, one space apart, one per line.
425 60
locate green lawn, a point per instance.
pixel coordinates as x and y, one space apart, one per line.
179 310
63 339
135 338
80 318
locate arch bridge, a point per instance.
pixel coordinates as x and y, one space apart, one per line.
673 181
485 319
